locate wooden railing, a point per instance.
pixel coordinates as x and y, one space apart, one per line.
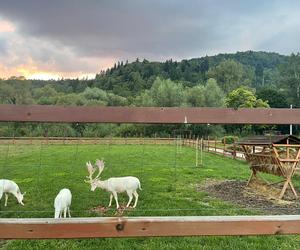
46 228
149 226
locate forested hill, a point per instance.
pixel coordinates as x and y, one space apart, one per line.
211 81
132 78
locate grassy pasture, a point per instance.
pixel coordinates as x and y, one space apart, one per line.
169 180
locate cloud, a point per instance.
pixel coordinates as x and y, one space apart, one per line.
6 27
86 36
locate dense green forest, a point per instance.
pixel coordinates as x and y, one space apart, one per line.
244 79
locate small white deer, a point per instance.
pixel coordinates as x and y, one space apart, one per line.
62 203
10 187
114 185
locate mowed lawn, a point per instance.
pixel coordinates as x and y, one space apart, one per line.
169 179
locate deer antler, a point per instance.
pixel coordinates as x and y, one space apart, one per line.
91 171
100 165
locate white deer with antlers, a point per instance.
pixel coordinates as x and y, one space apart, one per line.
114 185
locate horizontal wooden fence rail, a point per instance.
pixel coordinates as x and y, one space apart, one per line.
148 226
87 141
150 115
217 147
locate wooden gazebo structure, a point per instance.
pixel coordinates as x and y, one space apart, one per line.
278 155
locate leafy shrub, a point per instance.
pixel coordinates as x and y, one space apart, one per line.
229 139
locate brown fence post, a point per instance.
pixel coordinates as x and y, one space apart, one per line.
208 143
234 149
224 145
215 145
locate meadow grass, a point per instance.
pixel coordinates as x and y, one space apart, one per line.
169 181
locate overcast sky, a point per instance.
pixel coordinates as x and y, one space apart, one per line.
72 38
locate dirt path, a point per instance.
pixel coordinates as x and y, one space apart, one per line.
254 197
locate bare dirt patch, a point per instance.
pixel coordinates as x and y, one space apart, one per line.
256 196
101 210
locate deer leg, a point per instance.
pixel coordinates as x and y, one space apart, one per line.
6 198
116 199
65 212
110 200
69 212
136 195
129 193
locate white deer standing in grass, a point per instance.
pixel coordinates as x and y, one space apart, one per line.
114 185
10 187
62 203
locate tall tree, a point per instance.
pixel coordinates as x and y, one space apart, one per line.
167 93
244 97
276 98
195 96
231 74
214 96
290 74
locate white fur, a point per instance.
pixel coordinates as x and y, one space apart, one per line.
115 185
10 187
62 203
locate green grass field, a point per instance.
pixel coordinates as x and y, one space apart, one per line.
169 180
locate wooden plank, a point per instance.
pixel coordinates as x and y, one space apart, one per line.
45 113
148 226
288 160
287 145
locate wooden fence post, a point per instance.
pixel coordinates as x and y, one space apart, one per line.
197 149
208 143
201 151
234 149
224 146
215 145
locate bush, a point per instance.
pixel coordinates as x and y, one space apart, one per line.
229 139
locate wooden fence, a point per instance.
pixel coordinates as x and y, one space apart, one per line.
219 147
208 145
150 226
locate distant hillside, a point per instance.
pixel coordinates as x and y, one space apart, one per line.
131 78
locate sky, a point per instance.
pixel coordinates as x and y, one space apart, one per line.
42 39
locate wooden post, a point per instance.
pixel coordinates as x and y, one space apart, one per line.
201 151
224 146
234 149
197 149
208 143
287 150
215 145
